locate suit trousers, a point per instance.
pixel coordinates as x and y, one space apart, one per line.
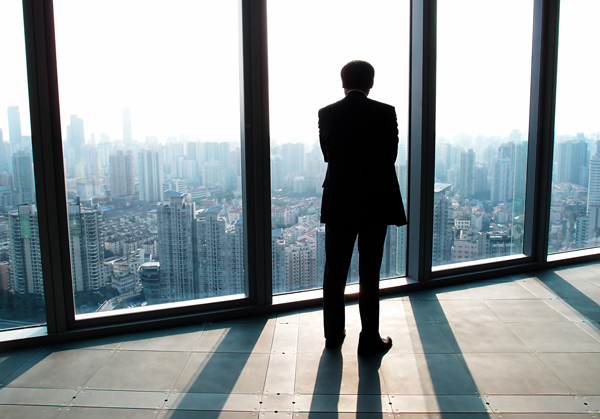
339 244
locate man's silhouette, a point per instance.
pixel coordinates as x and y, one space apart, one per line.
361 197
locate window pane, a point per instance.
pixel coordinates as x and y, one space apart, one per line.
575 210
309 43
483 82
21 286
150 113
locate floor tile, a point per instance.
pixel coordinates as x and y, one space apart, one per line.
406 403
503 291
342 403
525 311
516 373
242 336
175 339
593 403
485 337
580 371
418 311
37 396
331 415
191 414
33 412
120 399
105 342
446 415
468 311
425 374
279 403
285 338
555 337
333 372
11 361
536 287
392 312
104 413
140 370
536 404
422 338
224 373
310 337
214 402
281 374
59 369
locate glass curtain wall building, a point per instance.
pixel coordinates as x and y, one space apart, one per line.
177 166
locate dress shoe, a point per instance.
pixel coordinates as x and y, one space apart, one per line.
375 346
332 343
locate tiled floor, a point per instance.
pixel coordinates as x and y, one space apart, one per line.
518 347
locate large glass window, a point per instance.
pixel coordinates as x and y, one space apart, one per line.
575 207
482 114
309 43
149 98
21 285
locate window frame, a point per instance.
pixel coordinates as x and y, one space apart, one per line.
254 102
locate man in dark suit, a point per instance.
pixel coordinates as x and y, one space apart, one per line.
361 197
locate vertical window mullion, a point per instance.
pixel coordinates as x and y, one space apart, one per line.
541 128
421 138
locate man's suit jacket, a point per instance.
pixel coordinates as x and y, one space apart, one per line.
359 140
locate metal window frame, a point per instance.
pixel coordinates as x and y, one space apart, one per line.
51 192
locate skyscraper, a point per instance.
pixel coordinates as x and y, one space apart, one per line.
571 162
15 136
592 229
220 253
75 133
150 176
466 174
24 251
442 230
122 182
23 177
127 135
87 247
175 248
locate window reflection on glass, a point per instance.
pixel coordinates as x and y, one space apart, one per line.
21 282
150 109
304 76
575 207
483 82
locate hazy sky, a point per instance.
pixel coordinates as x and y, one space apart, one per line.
175 64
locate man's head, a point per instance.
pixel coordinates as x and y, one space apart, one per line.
358 75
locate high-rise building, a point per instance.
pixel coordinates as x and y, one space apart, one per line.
122 182
571 162
293 158
466 174
23 177
220 253
502 180
87 247
279 270
442 227
24 251
15 137
75 133
175 248
589 234
127 134
150 176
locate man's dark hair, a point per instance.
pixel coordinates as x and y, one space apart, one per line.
357 75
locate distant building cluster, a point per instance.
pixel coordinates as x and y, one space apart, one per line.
154 222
